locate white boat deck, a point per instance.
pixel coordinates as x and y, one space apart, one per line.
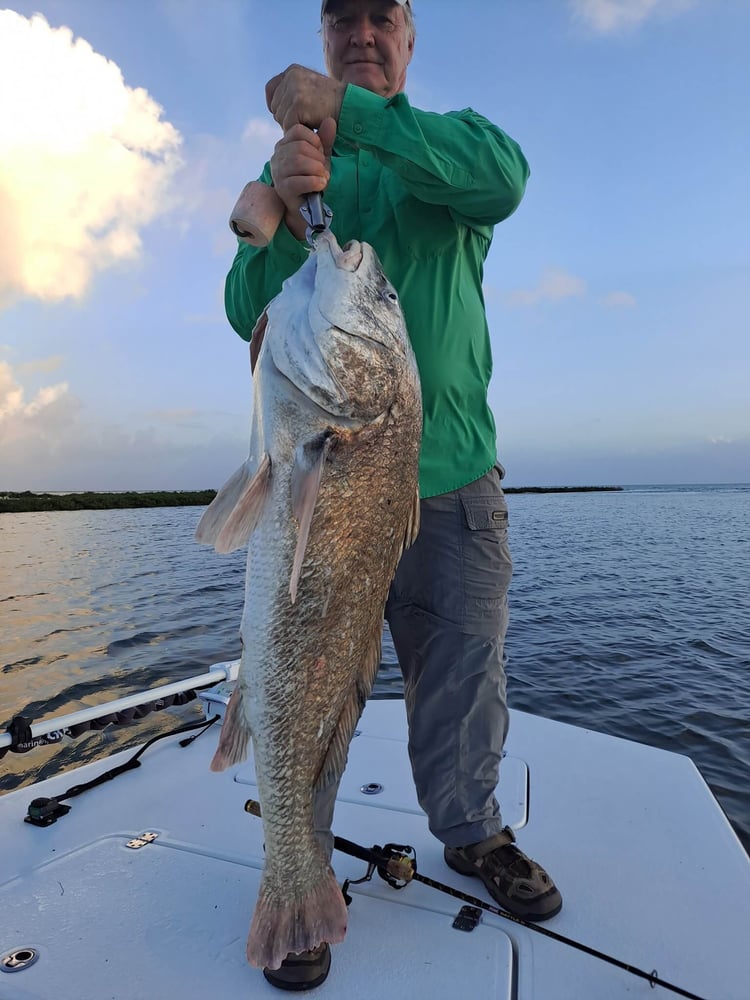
649 868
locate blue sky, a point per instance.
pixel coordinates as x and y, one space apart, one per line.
618 295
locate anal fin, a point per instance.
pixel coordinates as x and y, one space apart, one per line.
235 734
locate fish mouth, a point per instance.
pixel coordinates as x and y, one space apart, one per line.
351 256
348 257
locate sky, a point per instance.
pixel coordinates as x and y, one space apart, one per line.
618 294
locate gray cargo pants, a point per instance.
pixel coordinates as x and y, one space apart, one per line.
447 610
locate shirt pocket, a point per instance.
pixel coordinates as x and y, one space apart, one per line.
425 231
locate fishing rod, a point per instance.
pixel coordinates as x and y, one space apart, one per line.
397 865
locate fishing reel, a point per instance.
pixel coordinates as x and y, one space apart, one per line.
399 865
396 864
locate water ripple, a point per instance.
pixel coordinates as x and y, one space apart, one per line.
629 614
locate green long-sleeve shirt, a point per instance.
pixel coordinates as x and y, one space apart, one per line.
425 190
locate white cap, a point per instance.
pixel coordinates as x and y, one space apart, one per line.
401 3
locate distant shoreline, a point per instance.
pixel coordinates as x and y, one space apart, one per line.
29 502
562 489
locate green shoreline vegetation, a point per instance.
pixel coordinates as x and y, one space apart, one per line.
28 501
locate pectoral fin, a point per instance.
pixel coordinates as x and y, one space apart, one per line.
234 512
309 461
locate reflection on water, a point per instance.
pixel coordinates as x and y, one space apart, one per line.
629 615
95 605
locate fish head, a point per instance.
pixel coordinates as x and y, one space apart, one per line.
358 326
337 332
353 295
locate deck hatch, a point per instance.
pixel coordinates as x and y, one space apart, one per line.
172 921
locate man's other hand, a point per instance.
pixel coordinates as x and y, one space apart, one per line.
302 96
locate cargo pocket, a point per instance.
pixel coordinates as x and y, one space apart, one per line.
487 565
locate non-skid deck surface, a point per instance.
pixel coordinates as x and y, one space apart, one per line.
648 866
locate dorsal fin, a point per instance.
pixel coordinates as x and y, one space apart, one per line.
235 733
335 760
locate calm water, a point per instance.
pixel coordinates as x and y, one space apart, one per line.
630 614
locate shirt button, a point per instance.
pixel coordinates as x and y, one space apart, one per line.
358 129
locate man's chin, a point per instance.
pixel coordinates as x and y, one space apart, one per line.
367 75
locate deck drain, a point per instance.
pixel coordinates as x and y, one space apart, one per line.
371 788
18 960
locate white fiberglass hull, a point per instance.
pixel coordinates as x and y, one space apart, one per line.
649 868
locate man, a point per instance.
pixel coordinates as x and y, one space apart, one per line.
426 191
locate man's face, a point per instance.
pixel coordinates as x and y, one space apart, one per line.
367 43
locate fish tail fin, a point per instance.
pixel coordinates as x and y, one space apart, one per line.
235 733
283 926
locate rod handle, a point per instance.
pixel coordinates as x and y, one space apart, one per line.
257 214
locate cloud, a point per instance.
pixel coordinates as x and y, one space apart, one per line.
85 162
48 441
612 16
215 173
261 134
555 284
43 365
618 300
21 419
